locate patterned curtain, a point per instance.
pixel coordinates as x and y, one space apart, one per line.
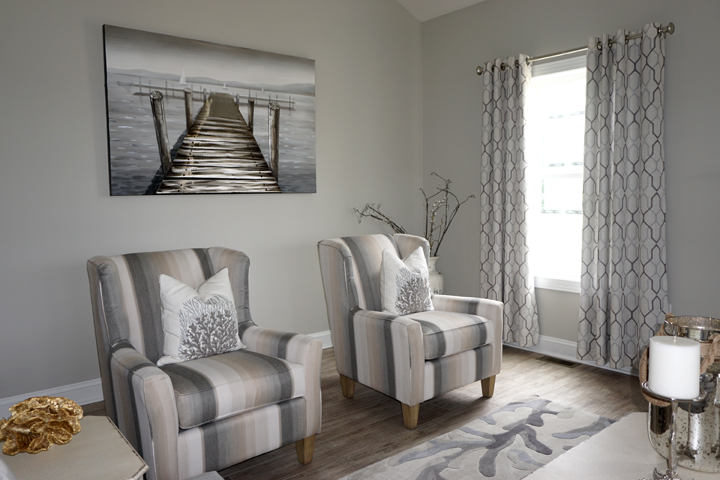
504 272
623 280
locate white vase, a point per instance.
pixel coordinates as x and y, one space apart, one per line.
436 278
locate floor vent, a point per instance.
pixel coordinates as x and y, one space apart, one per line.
559 361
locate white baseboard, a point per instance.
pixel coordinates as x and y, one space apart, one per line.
324 336
91 390
82 393
566 350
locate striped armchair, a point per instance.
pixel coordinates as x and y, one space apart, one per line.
209 413
410 358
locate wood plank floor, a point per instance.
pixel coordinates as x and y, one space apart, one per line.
367 428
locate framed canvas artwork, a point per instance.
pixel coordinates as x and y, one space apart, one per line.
192 117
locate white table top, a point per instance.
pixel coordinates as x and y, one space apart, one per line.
622 451
99 450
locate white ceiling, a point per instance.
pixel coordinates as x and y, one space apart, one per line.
427 9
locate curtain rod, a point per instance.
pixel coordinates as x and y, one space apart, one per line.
662 30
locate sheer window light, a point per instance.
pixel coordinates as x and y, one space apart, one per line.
555 129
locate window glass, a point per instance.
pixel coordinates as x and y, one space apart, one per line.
555 129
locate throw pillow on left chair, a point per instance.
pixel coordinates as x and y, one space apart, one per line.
198 323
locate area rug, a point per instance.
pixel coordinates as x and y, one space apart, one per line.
507 444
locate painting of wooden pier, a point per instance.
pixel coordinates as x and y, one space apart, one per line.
219 154
193 117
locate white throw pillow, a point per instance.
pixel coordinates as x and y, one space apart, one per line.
198 323
405 284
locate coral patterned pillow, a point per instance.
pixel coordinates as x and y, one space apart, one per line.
405 284
198 323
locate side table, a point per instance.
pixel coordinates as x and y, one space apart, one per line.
99 450
622 451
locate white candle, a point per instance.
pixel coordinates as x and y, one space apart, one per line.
674 367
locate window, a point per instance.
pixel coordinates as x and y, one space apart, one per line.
555 137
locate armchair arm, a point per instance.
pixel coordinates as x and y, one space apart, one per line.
482 307
147 413
389 354
294 347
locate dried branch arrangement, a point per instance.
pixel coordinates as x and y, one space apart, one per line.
372 210
440 210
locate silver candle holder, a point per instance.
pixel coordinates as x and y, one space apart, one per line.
671 473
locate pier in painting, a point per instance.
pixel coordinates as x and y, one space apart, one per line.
219 153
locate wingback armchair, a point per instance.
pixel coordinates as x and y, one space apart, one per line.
411 358
208 413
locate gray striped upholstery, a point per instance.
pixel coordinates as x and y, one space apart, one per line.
455 371
389 355
448 333
149 403
216 445
145 409
404 358
219 386
296 348
367 260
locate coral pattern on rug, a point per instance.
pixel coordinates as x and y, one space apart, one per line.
507 444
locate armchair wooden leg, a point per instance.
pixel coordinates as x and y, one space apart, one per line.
348 386
410 415
488 386
305 448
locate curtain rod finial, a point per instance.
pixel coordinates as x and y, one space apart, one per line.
670 28
479 70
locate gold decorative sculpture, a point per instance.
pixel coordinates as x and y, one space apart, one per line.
39 422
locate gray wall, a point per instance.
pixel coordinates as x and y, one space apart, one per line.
55 210
453 45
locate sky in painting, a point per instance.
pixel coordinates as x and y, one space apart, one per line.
128 49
